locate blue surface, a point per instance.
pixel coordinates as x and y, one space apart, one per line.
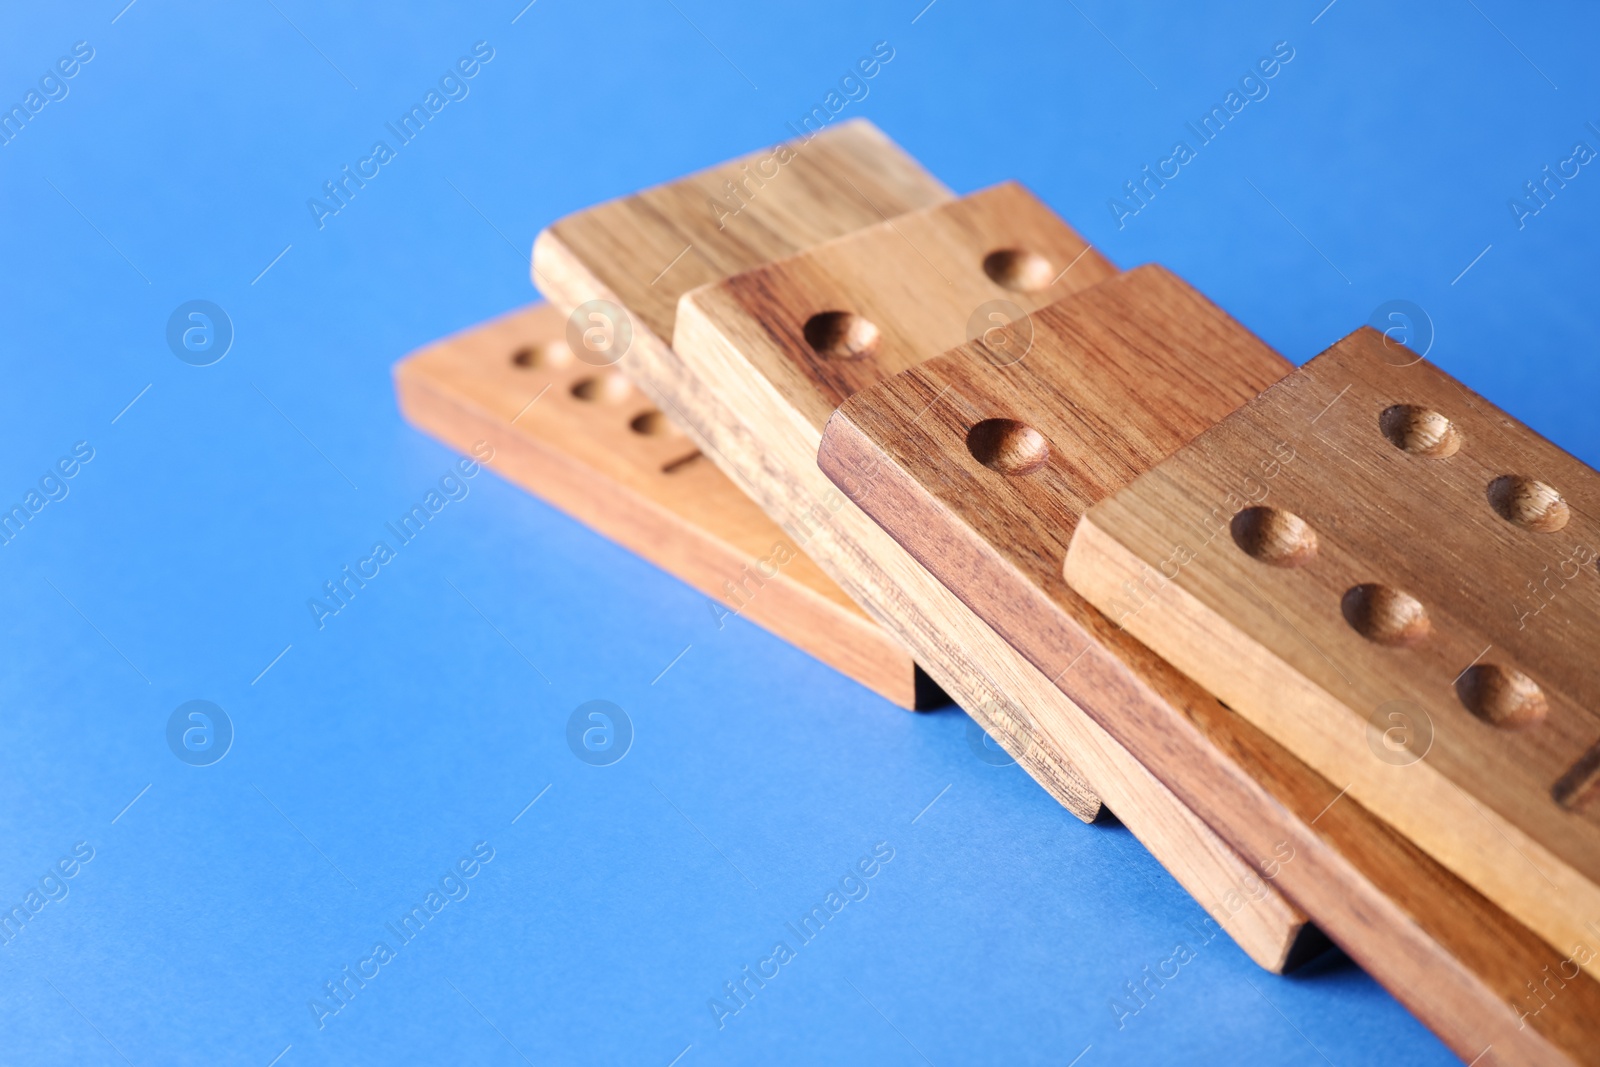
425 716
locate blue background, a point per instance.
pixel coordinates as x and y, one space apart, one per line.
426 715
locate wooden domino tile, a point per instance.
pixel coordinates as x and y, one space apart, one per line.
981 465
643 252
582 438
1396 581
772 351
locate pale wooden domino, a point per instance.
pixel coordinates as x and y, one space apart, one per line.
582 438
981 467
1397 581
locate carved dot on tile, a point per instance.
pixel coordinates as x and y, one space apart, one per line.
1501 696
1528 503
654 424
1385 616
1019 270
841 335
1273 536
1420 431
552 355
607 388
1008 446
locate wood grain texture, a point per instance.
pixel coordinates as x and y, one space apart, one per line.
1363 563
615 464
646 250
1117 377
764 381
631 251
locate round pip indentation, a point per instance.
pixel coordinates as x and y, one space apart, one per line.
1019 270
1528 503
841 335
653 424
1501 696
1273 536
552 355
1420 431
607 388
1008 446
1385 616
